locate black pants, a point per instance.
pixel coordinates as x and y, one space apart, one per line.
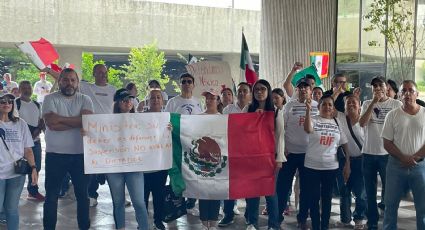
228 208
319 188
284 185
155 183
208 210
57 165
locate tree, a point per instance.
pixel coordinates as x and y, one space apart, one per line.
145 63
395 20
114 75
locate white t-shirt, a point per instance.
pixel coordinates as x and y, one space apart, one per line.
31 114
233 108
354 149
373 142
10 86
69 141
296 139
323 144
101 96
180 105
406 131
41 89
17 137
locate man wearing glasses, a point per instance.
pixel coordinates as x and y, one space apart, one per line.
185 103
404 137
339 91
375 156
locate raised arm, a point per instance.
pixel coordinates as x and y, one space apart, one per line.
308 127
287 85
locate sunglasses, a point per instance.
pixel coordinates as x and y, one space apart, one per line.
186 81
6 101
126 100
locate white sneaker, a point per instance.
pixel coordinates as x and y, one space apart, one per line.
251 227
127 203
236 210
93 202
193 211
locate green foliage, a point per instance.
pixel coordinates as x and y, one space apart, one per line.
146 63
394 19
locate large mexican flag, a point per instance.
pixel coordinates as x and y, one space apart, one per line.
223 156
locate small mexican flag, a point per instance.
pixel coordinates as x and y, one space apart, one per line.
321 61
223 157
246 63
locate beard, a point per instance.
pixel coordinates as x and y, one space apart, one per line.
68 91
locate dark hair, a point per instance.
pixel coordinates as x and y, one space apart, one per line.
337 75
317 87
280 92
153 81
116 108
68 70
269 106
393 86
24 82
10 114
324 98
410 82
187 75
245 83
228 89
130 86
351 96
309 76
378 79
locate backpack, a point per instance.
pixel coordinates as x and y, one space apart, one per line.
18 103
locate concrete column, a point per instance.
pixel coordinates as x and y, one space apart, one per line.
234 61
291 29
71 55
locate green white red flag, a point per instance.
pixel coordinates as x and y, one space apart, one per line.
321 62
247 64
223 156
41 52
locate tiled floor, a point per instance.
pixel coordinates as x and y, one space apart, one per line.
102 219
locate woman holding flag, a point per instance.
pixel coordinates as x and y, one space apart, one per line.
262 101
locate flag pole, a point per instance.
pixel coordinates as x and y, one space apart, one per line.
241 73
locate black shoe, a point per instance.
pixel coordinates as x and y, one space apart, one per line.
159 225
226 221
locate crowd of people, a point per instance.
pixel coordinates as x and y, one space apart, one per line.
325 139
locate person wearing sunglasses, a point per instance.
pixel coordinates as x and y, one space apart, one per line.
186 103
16 142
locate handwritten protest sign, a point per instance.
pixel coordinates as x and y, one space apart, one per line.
129 142
210 75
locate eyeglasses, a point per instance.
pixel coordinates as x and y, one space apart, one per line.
258 89
126 100
186 82
6 101
410 91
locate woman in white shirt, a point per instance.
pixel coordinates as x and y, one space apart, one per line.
321 163
16 143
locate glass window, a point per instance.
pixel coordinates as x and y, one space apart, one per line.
348 31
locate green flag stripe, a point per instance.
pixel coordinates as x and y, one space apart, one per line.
176 178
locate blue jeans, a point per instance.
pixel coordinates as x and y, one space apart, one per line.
372 165
135 185
36 150
398 178
355 185
228 208
57 166
252 209
10 192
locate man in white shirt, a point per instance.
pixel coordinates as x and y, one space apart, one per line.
404 137
375 157
62 111
42 87
244 98
8 84
186 103
102 94
30 112
296 142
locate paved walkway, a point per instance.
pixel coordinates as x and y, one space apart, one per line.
102 219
